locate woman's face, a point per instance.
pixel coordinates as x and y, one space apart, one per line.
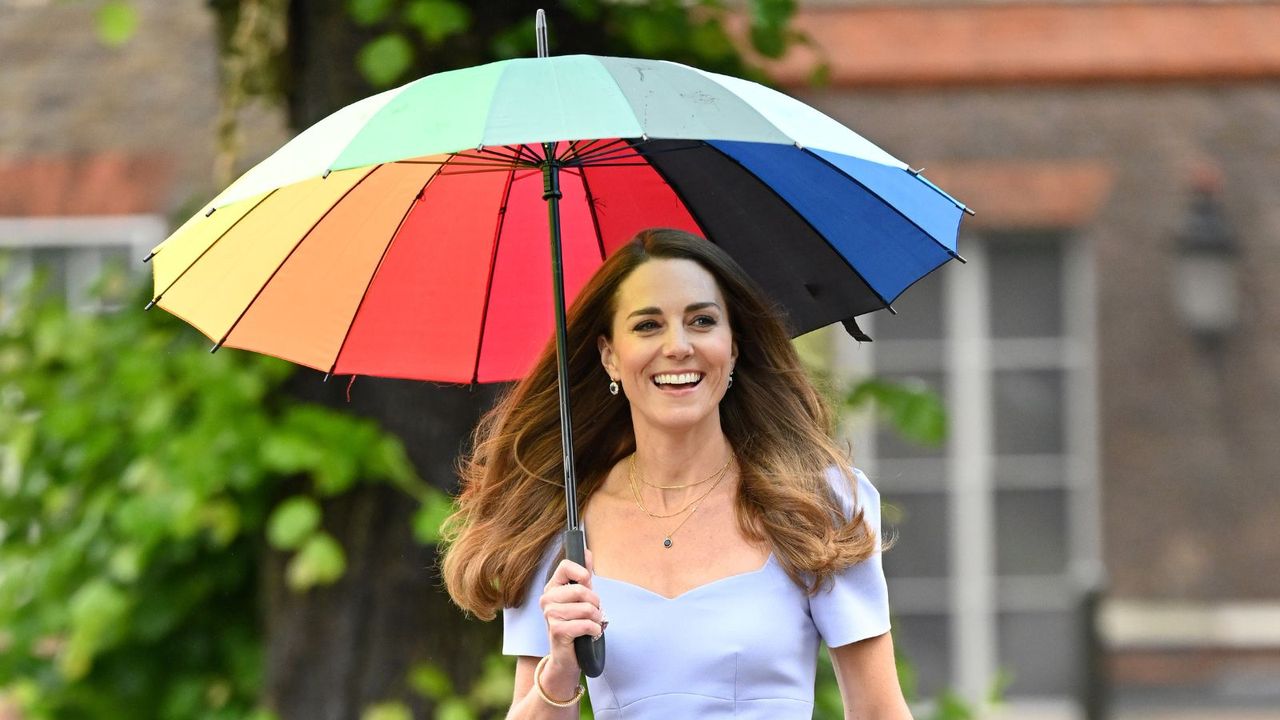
672 350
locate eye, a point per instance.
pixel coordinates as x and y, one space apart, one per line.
704 321
644 325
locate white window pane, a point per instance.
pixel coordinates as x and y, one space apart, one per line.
1025 286
919 526
924 640
1040 651
1031 532
919 313
1028 411
50 264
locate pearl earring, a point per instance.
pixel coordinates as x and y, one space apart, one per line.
613 387
730 381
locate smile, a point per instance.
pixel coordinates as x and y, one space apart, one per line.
678 381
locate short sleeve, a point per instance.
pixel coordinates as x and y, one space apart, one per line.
856 606
524 630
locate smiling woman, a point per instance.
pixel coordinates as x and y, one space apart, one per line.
729 533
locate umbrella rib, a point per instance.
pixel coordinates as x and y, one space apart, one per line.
805 220
606 155
351 323
509 156
591 207
493 263
605 152
589 147
204 252
889 205
292 250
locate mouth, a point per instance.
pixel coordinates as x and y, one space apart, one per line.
677 381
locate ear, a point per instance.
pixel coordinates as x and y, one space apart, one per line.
733 355
606 356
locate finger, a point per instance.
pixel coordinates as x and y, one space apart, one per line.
564 631
570 571
574 611
568 594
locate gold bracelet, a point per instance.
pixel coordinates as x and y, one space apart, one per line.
537 685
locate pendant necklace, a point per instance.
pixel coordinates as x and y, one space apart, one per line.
691 507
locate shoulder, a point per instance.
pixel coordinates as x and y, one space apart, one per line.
855 492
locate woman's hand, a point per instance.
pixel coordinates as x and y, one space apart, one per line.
572 609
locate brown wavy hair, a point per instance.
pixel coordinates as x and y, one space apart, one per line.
512 501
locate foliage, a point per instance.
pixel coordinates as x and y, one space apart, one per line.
413 37
910 408
137 483
117 22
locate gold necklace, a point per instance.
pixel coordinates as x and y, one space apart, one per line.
632 461
692 507
631 476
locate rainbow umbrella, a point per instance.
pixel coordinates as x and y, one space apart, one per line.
406 235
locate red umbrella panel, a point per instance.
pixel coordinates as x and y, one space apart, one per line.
431 269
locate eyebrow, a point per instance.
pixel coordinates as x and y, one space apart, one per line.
694 307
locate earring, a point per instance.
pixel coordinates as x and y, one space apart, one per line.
613 387
730 380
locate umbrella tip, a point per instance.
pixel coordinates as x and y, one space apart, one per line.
215 347
210 211
327 376
325 176
151 304
540 28
149 256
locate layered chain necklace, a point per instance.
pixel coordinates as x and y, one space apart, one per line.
690 508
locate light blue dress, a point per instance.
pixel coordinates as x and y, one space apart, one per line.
743 646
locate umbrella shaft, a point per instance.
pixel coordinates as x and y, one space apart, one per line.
551 193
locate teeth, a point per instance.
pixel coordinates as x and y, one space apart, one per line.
677 378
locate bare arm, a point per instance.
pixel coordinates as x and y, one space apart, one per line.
571 610
868 680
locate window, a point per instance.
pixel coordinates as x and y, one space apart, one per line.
996 530
74 253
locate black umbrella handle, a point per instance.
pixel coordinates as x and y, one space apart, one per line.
589 650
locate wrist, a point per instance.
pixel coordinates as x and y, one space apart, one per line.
559 684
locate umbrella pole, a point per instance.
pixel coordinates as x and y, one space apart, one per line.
590 651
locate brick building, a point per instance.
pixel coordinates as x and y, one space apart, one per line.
1096 445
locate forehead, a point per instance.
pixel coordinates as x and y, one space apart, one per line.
668 284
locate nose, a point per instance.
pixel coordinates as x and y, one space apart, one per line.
676 343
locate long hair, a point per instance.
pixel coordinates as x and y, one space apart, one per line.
512 501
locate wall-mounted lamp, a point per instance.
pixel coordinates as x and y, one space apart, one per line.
1207 290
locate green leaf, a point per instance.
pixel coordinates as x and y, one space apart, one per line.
436 20
321 561
293 522
96 612
369 12
290 452
385 59
454 709
117 22
388 711
430 516
430 682
126 563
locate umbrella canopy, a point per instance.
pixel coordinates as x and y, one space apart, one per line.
405 235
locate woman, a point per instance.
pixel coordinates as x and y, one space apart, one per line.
728 532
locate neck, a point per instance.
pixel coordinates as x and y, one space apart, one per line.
679 458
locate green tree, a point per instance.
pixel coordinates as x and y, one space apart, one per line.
139 480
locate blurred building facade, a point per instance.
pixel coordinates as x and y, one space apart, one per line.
1099 444
1101 440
